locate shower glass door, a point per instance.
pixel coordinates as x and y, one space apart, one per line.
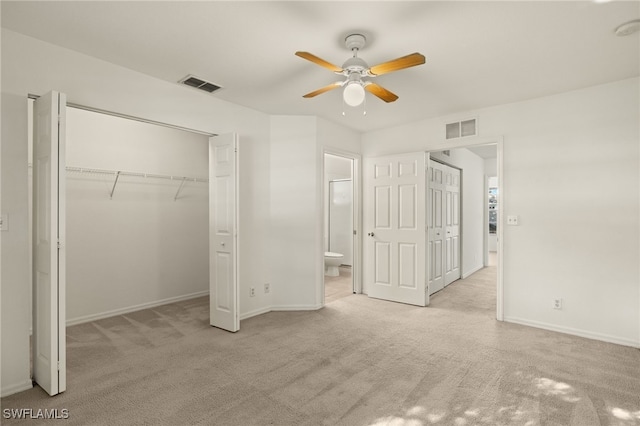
341 219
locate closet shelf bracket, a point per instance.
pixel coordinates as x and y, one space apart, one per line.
115 182
180 188
117 173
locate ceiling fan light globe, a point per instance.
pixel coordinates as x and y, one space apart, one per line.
353 94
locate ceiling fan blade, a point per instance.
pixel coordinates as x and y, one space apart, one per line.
323 89
398 64
381 92
313 58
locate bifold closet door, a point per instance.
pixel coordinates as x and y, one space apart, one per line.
452 225
223 232
49 339
435 225
443 223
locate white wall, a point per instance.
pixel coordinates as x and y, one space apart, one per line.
141 247
297 219
295 210
33 66
472 206
15 272
491 167
571 174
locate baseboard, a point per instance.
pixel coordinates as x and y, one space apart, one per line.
126 310
296 307
15 388
255 313
473 271
575 332
283 308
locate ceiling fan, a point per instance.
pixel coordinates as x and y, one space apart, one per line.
356 70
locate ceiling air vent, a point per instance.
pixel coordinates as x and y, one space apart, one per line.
199 83
461 129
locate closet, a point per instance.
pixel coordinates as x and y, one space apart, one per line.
443 220
137 215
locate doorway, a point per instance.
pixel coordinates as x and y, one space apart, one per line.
479 210
340 217
395 196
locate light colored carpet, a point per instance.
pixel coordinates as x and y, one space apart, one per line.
358 361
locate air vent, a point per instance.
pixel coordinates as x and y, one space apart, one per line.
199 83
461 129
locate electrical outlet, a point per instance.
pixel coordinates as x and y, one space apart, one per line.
557 303
512 220
252 291
267 287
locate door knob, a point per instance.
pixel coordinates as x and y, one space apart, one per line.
222 244
370 234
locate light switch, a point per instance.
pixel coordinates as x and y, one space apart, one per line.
4 222
512 220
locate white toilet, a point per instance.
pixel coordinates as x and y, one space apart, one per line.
331 263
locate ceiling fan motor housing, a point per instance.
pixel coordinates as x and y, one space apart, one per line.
355 41
355 64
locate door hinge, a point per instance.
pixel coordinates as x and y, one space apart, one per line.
59 244
355 232
58 365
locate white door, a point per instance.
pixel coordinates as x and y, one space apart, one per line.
435 225
223 232
443 224
396 241
49 351
452 225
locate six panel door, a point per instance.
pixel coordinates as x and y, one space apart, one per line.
395 234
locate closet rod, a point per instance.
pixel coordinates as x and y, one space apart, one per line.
131 117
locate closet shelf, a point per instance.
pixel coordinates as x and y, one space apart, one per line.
118 173
138 174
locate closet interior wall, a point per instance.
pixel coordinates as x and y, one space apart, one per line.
140 241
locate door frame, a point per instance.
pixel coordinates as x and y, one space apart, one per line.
498 141
356 268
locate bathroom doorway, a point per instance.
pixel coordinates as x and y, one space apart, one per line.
340 229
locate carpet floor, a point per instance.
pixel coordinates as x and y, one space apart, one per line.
358 361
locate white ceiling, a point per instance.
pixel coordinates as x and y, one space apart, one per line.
485 151
478 53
